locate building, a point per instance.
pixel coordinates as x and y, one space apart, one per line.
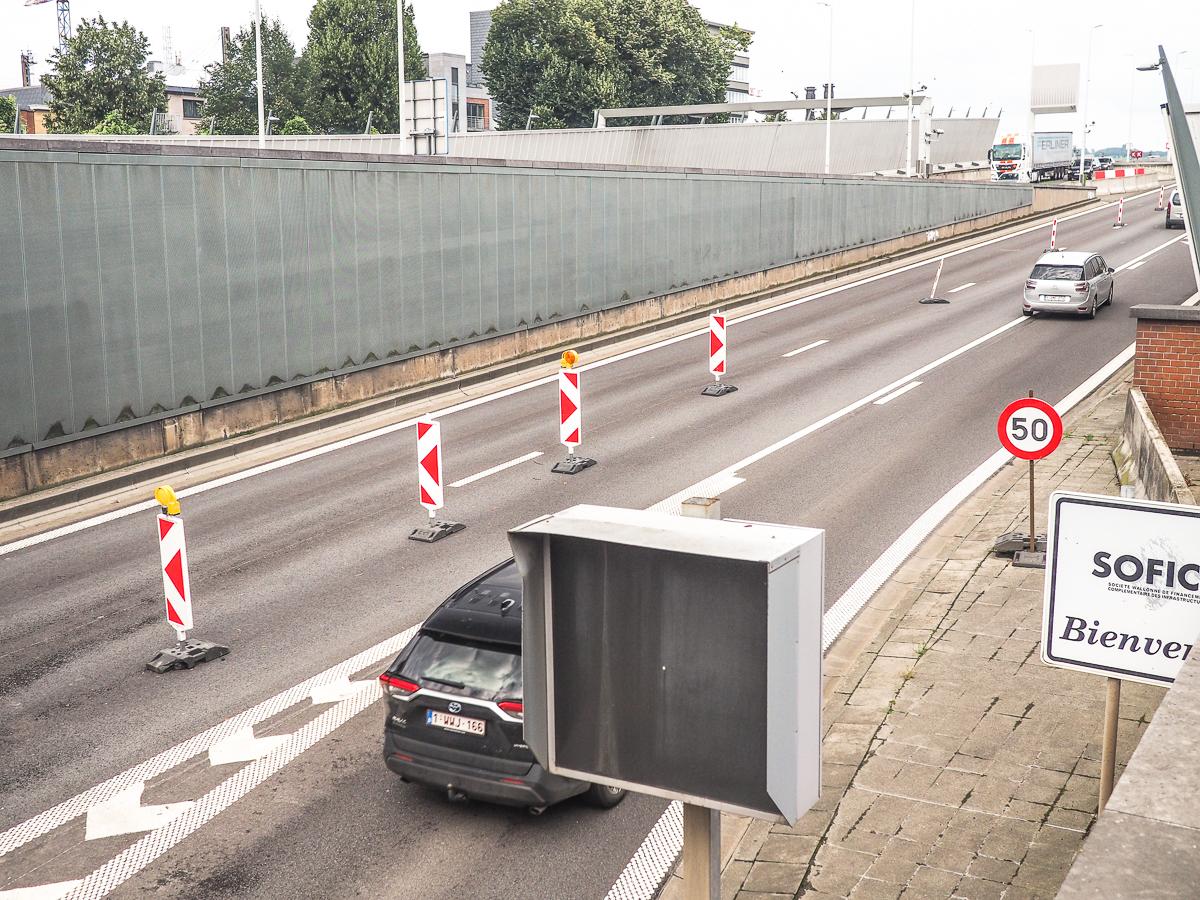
737 87
183 114
470 106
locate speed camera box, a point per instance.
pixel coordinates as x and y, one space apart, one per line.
679 657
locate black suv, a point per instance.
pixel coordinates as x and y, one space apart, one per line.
454 704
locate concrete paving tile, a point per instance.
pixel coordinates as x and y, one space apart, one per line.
972 888
1042 881
873 889
756 895
837 869
752 840
768 877
1070 818
992 869
949 857
788 848
932 883
897 869
732 877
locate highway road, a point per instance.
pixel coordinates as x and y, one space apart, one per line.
857 410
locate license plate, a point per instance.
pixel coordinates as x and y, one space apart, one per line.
465 724
1052 298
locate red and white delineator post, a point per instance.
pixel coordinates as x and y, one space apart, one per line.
430 483
1053 234
570 416
718 345
1161 204
172 552
1120 223
177 590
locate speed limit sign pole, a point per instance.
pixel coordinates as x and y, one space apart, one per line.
1029 429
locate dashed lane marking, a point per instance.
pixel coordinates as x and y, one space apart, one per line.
800 350
494 469
897 393
961 287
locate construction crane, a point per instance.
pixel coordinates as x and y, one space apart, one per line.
64 20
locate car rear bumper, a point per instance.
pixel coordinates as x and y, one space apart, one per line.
1069 308
535 787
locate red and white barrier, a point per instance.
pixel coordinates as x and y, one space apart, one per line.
1160 205
1120 223
429 465
172 551
716 345
1103 174
570 412
1053 233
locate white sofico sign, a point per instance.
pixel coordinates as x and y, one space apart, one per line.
1122 586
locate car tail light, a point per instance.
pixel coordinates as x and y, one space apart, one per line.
514 708
1031 285
1080 287
400 688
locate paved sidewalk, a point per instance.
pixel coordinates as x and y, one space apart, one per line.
956 764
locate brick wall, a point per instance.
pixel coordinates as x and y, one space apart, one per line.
1167 369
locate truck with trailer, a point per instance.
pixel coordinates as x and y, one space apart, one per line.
1046 156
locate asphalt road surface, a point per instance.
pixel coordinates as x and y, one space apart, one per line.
304 566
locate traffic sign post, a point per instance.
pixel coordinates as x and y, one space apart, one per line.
1121 592
570 416
430 485
1029 429
717 348
177 590
1120 223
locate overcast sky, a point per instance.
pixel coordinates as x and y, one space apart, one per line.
971 54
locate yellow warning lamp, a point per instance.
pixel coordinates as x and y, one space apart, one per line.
569 358
166 498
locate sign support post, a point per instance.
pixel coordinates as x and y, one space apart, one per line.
1029 429
937 276
1108 755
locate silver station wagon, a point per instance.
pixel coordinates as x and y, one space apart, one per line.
1068 281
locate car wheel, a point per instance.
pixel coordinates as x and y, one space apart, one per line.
1091 314
603 796
1027 312
1111 291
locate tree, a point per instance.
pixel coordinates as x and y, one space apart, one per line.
296 125
113 123
350 64
562 59
231 93
102 70
8 115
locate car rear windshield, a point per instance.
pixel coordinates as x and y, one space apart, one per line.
1057 273
489 672
1176 200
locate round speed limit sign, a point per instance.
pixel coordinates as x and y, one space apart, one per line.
1030 428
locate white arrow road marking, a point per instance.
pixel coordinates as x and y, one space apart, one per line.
243 746
124 814
961 287
55 891
337 690
894 394
792 353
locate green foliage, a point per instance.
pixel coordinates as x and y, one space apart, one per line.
102 71
780 116
8 114
114 123
296 125
350 64
562 59
230 91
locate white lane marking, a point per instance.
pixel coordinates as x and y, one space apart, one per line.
654 859
494 469
55 891
123 813
68 810
1140 262
336 691
517 389
133 859
800 350
961 287
896 393
243 746
1142 257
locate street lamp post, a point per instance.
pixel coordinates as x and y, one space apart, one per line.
829 86
1087 96
262 118
401 124
912 43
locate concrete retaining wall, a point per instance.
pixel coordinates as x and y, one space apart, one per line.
1144 459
